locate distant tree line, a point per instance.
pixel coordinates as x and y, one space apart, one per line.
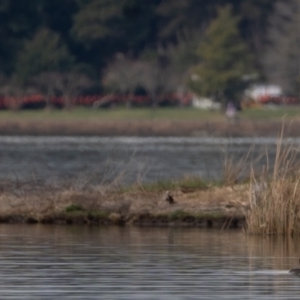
213 47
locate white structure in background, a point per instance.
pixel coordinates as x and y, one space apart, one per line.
205 103
258 92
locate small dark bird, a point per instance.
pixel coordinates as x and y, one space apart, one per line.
295 271
169 198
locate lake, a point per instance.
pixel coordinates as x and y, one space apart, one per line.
69 262
130 159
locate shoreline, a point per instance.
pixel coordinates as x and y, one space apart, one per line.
213 207
143 128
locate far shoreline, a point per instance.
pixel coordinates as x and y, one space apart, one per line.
148 128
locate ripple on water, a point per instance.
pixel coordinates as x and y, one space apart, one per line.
144 159
55 262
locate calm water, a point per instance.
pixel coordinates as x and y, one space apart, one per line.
128 158
56 262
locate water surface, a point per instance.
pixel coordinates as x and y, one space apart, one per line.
56 262
129 159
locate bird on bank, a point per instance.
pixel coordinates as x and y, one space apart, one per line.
169 198
295 271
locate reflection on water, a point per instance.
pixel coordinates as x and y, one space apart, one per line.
146 159
55 262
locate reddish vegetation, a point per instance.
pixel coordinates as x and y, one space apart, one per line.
90 100
267 99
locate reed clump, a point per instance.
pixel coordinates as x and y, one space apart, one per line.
274 207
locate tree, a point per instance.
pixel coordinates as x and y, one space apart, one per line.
157 79
13 91
181 56
177 17
57 15
254 20
69 84
282 54
224 60
17 22
46 52
157 74
93 31
122 75
112 26
46 83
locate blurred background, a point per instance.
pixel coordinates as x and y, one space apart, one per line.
105 53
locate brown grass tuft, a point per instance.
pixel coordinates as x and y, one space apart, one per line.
275 201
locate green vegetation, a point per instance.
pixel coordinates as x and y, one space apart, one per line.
118 114
276 112
123 114
73 208
162 40
46 52
178 215
78 210
186 184
224 60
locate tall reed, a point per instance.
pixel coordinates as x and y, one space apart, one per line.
275 198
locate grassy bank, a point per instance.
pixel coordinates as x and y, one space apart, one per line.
148 122
196 204
137 114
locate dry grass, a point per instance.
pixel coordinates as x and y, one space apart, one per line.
147 127
275 200
110 204
236 170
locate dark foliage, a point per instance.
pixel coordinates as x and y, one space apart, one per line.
87 35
